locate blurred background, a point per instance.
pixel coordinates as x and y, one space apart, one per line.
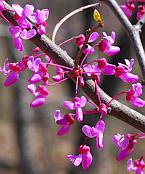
28 140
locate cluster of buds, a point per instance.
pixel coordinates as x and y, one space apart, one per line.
39 80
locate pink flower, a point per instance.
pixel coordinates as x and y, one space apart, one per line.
2 7
140 12
12 70
106 68
11 79
76 104
40 17
84 157
66 121
59 74
22 15
128 9
106 43
40 94
95 132
125 145
18 34
80 41
93 71
101 67
137 166
123 72
38 101
133 94
39 69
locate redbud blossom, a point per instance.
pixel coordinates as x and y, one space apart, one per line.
133 94
137 166
84 157
2 7
123 72
80 41
95 132
129 7
40 94
76 104
65 121
106 44
125 144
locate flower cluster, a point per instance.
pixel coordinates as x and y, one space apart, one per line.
30 23
129 7
25 30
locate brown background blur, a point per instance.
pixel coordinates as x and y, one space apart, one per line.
28 140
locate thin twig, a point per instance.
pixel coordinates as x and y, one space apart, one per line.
68 16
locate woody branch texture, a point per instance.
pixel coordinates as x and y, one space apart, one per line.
60 56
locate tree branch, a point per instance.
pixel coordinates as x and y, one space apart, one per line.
132 30
60 56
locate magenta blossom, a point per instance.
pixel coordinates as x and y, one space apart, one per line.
39 71
39 17
76 104
125 145
137 166
95 132
133 94
59 74
12 70
40 94
22 15
25 30
18 34
80 40
106 44
140 12
128 8
84 157
101 67
2 7
66 121
123 72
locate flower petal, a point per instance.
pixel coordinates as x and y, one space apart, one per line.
88 131
57 115
38 101
122 154
32 89
75 159
86 160
63 130
28 34
18 44
94 36
68 105
111 50
11 79
34 78
79 114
